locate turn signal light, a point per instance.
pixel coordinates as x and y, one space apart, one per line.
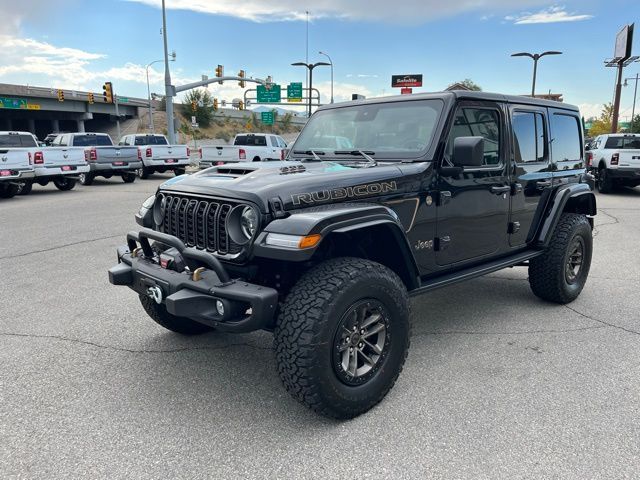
200 153
38 158
93 155
242 154
589 158
148 153
615 158
309 241
139 155
188 152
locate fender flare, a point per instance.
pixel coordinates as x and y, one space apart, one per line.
335 220
575 198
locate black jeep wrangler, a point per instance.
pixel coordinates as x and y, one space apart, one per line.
378 200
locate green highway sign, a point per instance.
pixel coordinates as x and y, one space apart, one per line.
267 118
272 95
123 99
294 92
14 103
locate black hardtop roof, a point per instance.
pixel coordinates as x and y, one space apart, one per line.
462 94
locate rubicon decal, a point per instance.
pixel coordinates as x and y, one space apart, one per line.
343 193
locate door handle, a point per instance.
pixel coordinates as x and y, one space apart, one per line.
501 190
543 183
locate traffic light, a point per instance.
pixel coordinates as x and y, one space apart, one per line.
90 98
220 72
215 104
194 106
240 105
107 88
241 74
60 96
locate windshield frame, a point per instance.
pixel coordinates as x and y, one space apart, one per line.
425 155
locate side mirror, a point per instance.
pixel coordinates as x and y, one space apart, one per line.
468 151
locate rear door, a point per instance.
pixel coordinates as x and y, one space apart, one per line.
532 177
473 210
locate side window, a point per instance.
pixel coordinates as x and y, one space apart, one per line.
566 144
478 122
283 144
529 137
274 141
63 140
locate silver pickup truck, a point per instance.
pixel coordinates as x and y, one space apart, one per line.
104 158
16 161
157 155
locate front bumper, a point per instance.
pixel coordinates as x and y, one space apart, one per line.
193 293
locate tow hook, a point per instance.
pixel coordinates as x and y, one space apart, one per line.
155 292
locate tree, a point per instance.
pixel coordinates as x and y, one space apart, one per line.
468 83
603 124
635 125
203 106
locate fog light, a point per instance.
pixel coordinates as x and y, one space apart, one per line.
220 307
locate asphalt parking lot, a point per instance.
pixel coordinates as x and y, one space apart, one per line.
498 384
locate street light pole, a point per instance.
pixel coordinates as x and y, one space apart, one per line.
331 62
168 91
310 67
173 59
535 57
635 92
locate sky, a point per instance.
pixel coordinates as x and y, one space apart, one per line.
74 44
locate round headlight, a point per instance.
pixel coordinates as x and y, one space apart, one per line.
242 224
159 207
249 222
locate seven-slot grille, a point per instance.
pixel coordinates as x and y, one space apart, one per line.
199 223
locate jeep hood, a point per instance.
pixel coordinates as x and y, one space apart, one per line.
295 184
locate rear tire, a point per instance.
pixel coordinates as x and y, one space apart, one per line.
159 314
179 171
129 177
8 190
86 178
559 274
25 188
342 336
64 184
143 173
605 183
256 159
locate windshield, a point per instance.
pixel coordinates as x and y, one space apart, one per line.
151 140
91 140
386 130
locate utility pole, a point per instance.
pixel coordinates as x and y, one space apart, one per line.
535 57
635 93
310 67
168 89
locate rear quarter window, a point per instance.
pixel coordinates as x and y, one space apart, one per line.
566 145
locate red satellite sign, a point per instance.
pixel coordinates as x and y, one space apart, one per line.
411 80
406 91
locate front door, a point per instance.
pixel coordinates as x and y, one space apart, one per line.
473 206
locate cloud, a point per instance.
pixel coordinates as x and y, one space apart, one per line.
361 75
589 110
407 11
552 14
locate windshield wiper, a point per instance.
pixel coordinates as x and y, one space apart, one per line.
308 152
366 154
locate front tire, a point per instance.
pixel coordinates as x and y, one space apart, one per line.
159 314
86 178
64 184
8 190
129 177
560 273
25 188
342 336
605 182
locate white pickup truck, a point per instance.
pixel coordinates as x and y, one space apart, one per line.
615 160
157 155
247 147
61 165
104 158
16 161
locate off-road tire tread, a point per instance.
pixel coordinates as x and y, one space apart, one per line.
301 321
547 270
604 187
159 314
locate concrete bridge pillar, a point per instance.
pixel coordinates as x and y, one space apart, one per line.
55 126
32 125
80 125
